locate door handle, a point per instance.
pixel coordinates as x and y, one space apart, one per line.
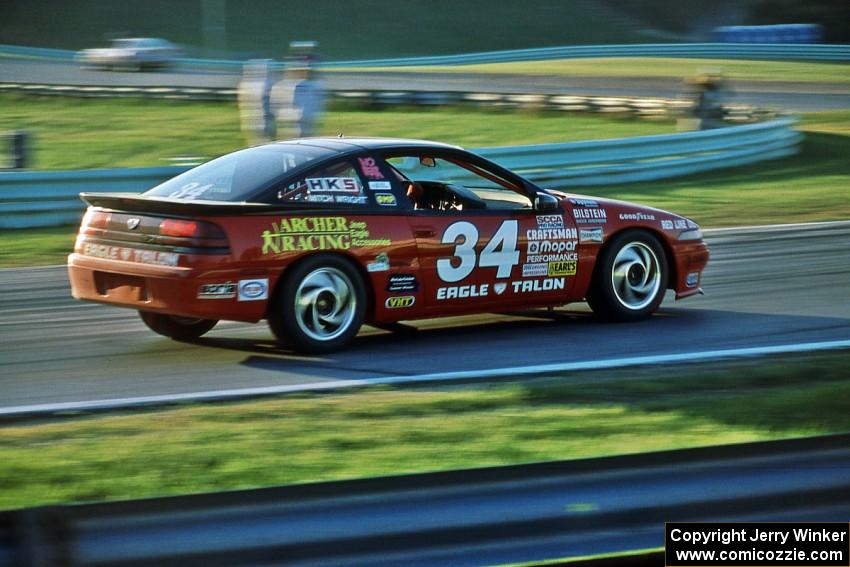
424 232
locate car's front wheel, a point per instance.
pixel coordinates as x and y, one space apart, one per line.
319 306
177 328
630 277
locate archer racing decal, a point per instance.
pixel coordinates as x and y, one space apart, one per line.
253 290
302 234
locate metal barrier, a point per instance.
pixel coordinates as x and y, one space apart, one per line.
469 517
788 52
31 199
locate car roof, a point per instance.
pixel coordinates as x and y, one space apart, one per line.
365 143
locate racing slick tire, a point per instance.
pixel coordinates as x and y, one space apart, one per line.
177 328
319 306
630 277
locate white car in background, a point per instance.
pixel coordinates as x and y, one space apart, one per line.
137 53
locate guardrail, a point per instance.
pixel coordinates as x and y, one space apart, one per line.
484 516
377 98
788 52
32 199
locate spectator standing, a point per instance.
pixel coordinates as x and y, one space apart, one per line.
255 109
298 98
709 94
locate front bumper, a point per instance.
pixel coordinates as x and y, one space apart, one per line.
691 259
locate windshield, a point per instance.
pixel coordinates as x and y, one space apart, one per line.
240 175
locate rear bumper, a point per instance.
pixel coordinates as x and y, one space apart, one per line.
172 290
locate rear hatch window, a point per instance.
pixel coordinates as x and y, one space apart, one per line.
239 176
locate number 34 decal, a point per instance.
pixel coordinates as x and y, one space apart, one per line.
501 252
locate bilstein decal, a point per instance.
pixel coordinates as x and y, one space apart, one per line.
300 234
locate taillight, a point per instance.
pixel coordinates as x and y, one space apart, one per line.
189 229
95 221
174 227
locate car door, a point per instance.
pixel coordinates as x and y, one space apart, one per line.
488 248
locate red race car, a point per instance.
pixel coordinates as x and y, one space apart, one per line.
319 236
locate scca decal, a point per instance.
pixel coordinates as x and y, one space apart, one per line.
400 302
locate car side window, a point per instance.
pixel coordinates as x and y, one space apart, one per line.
338 183
449 183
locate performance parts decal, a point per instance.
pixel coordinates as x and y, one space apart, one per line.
301 234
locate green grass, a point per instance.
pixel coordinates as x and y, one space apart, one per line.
385 431
36 246
810 186
105 133
669 67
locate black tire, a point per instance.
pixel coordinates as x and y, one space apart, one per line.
177 328
319 305
630 277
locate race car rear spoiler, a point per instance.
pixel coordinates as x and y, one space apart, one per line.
134 202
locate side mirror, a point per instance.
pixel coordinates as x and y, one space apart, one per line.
545 203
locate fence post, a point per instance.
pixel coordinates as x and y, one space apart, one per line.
19 151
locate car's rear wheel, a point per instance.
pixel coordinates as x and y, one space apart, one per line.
630 277
319 306
177 328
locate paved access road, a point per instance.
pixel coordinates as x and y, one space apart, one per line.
776 286
792 96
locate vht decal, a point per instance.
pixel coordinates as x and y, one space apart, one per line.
400 302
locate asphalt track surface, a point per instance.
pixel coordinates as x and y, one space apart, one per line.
792 96
765 287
